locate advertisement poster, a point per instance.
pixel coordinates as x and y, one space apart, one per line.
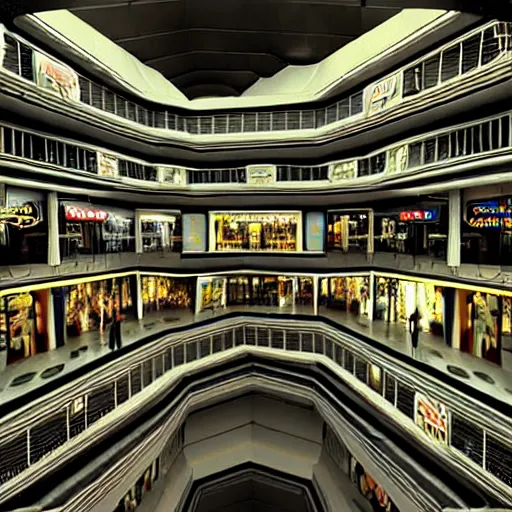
432 418
261 175
107 165
194 232
343 171
56 76
384 95
212 293
398 159
172 175
370 489
495 214
315 231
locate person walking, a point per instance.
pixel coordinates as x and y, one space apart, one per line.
115 329
414 330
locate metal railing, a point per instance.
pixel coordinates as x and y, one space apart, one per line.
472 51
476 435
452 145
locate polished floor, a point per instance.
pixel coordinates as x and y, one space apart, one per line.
483 375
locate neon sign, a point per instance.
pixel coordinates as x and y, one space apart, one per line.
22 216
419 215
490 215
77 214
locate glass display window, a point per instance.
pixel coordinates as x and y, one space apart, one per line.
349 294
24 324
349 231
90 306
256 231
161 232
89 229
166 293
413 231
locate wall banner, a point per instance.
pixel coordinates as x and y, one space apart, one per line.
172 175
107 165
315 231
384 94
431 416
194 232
56 76
398 159
342 171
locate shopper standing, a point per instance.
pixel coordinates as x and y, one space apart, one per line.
414 329
115 329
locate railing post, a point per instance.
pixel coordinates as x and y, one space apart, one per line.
28 446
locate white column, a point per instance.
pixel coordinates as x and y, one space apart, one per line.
316 290
50 322
138 232
454 227
371 221
371 294
53 229
140 306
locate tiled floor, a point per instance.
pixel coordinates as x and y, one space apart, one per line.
494 380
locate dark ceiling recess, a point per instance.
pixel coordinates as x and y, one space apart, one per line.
221 47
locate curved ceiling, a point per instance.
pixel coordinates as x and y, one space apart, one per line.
221 48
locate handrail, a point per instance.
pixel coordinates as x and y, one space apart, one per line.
453 145
477 49
475 437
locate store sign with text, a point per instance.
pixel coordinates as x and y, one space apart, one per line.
79 214
261 175
21 216
384 94
419 215
495 214
56 76
431 416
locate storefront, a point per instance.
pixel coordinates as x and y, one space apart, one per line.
256 231
161 293
413 231
349 294
397 299
487 232
23 227
90 306
159 232
85 228
484 317
350 231
24 323
270 291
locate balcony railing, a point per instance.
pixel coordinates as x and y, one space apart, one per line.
471 52
34 438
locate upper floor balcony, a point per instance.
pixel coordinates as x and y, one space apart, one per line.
473 64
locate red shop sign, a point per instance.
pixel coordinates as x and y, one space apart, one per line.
75 214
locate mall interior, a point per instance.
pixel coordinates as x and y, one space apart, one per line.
255 256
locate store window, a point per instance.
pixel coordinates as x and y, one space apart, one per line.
161 232
270 291
90 306
89 229
346 294
256 231
24 324
348 231
413 231
23 228
397 299
487 232
166 293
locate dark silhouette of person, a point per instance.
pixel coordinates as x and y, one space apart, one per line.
414 329
115 330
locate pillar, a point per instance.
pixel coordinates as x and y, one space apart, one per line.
53 229
454 228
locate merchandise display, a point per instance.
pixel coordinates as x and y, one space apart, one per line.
255 231
349 294
349 231
166 293
161 232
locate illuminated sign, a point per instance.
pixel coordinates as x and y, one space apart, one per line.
490 214
77 214
419 215
261 175
22 217
431 416
343 171
56 77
